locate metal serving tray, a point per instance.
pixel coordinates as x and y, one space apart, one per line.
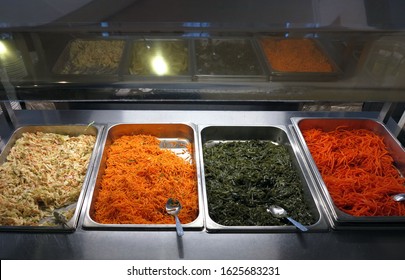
173 137
338 218
152 43
99 73
276 134
238 44
71 130
276 75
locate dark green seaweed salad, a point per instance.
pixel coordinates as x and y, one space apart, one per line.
243 178
226 57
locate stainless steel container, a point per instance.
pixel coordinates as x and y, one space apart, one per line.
277 75
230 59
158 59
71 130
276 134
87 59
174 137
338 218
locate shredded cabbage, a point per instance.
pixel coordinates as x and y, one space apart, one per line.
43 172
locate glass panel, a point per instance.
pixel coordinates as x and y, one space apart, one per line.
89 50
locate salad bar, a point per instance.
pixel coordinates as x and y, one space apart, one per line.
229 131
209 236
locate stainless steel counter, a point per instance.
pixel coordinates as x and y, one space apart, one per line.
126 244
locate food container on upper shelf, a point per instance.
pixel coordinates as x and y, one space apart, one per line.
158 59
359 165
91 58
228 59
141 167
297 59
44 172
245 170
383 61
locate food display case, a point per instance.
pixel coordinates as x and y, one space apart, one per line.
225 88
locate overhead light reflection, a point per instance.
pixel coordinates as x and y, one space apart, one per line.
3 48
159 65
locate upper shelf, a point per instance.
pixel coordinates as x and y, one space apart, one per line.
38 52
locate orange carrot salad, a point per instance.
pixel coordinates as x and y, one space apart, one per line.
358 171
139 178
295 55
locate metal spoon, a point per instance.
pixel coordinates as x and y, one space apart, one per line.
173 207
399 197
280 212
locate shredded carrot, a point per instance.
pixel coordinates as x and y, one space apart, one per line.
139 178
295 55
358 171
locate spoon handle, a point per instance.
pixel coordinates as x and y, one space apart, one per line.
179 228
297 224
399 197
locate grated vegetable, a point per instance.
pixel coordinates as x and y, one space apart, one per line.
43 172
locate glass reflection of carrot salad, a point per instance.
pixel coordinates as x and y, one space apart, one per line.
295 55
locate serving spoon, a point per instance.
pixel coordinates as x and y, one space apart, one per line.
173 207
399 197
280 212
